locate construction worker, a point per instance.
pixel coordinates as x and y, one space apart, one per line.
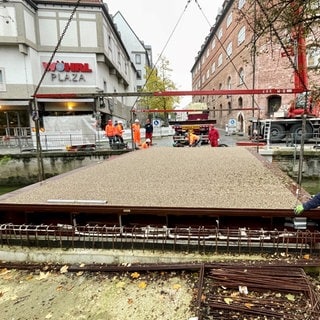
311 204
110 132
119 130
146 144
136 133
149 130
213 136
193 139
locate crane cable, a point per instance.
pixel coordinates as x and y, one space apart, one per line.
34 106
163 49
225 51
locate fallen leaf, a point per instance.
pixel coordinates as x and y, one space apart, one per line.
290 297
43 275
176 286
120 284
228 300
48 316
64 269
4 271
142 285
249 305
82 265
135 275
243 289
79 273
130 301
306 257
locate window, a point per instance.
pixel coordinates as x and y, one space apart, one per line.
110 43
220 33
139 74
313 57
2 80
207 53
241 35
229 83
229 19
138 58
241 77
207 74
220 60
229 49
213 43
213 67
241 4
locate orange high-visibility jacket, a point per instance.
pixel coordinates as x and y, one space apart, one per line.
118 130
193 138
136 133
109 130
145 145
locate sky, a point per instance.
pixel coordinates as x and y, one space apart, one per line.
175 28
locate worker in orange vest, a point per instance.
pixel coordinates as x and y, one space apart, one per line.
118 130
193 139
110 132
136 133
146 144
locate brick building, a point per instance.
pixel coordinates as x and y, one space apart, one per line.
228 60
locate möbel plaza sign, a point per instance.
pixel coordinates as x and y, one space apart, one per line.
67 71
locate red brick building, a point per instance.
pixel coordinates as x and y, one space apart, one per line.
228 60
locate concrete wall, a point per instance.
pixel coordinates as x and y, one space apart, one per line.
22 169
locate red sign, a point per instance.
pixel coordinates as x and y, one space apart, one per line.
67 66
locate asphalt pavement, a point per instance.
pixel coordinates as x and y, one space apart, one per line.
163 141
229 140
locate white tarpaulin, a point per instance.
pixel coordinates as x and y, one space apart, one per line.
60 132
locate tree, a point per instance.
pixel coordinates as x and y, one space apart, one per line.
158 79
284 23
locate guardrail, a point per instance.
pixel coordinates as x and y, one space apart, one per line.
23 139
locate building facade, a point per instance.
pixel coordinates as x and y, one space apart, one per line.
140 54
228 59
56 48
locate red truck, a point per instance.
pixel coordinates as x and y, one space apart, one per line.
198 122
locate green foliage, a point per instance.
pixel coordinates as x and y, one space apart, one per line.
158 79
4 160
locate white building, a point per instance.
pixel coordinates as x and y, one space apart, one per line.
91 58
141 54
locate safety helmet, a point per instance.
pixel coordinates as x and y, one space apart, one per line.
120 121
137 120
148 140
109 121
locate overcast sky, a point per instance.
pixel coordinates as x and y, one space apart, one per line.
155 23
